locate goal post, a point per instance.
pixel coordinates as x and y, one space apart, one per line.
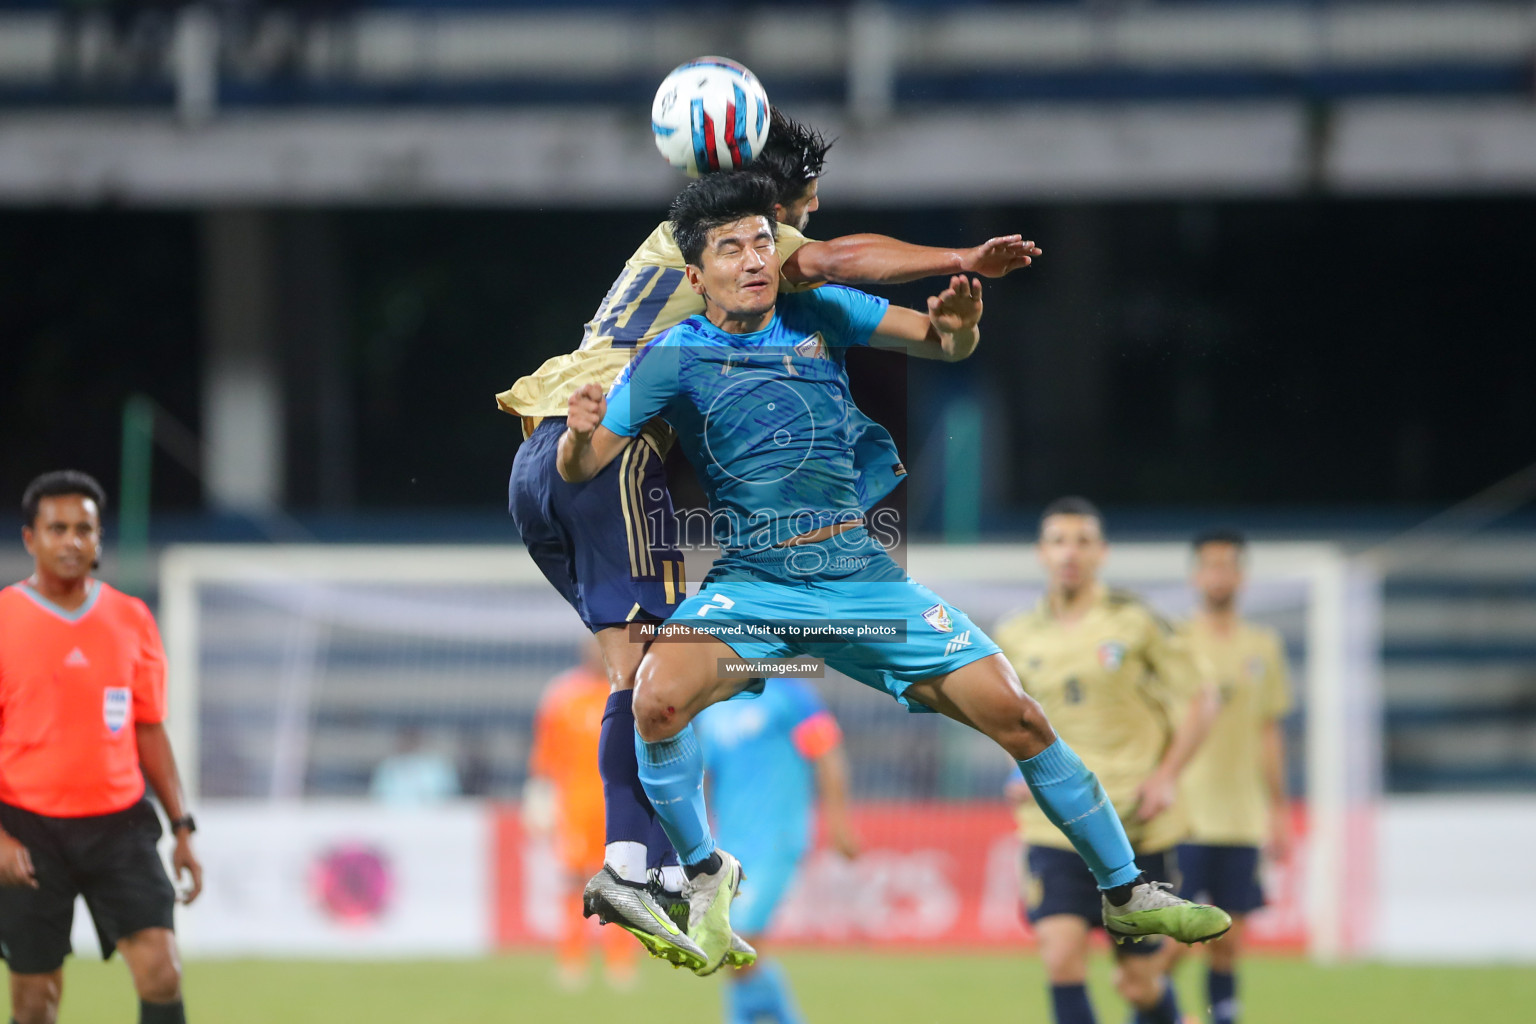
282 658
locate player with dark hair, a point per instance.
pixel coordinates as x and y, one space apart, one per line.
1234 788
82 701
757 391
794 158
598 542
1123 689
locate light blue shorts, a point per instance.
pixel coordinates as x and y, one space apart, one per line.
756 608
768 878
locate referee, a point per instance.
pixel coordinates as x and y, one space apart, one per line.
82 701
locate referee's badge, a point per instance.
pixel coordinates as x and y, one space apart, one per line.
1111 654
115 703
1256 667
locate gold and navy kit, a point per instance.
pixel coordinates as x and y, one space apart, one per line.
1223 788
1115 684
650 297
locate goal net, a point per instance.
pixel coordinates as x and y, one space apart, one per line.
297 670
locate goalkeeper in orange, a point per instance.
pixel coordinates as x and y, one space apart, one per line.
563 800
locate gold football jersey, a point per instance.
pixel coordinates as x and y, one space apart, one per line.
650 297
1115 684
1223 788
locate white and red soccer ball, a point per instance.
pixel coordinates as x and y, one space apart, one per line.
710 114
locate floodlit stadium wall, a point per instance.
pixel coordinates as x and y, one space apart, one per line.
295 668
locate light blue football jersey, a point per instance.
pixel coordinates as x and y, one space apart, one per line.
762 788
766 418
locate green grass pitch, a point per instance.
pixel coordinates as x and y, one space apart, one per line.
833 987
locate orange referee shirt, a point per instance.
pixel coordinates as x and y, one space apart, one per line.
565 734
72 685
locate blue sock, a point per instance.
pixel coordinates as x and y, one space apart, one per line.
1073 800
1165 1012
760 993
628 817
1070 1003
672 772
1221 989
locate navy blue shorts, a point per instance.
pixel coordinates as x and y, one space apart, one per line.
599 542
1226 876
1059 882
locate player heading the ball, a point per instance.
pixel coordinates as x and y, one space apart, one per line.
594 540
757 391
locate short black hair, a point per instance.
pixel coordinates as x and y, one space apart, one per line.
716 199
58 484
1220 535
1072 505
794 156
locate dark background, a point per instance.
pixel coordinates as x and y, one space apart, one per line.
1323 354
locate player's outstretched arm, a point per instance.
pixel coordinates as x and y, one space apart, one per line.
587 446
948 332
880 259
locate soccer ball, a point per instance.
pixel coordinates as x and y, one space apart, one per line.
710 114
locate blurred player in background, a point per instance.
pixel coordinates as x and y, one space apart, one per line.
1234 788
82 701
594 540
1125 692
563 800
767 762
415 774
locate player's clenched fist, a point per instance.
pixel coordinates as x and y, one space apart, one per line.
958 307
586 409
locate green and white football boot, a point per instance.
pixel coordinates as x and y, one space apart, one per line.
741 954
1153 909
709 911
633 907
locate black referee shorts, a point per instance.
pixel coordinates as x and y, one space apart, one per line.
110 859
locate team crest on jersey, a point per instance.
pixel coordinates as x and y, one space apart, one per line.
938 618
115 703
1255 667
814 347
1111 654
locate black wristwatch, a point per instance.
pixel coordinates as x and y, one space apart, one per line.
186 821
